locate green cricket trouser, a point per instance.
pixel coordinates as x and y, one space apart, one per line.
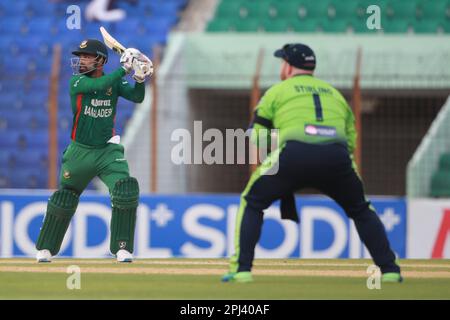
82 163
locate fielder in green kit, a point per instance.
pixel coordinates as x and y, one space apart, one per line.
95 150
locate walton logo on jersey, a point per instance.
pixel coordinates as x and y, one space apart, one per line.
100 103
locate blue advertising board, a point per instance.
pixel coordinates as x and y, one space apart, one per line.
198 225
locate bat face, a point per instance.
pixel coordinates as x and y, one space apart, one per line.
111 43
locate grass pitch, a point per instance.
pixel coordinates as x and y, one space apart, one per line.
200 279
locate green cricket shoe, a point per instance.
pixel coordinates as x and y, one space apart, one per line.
391 277
241 277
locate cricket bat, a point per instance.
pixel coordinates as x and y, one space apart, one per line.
112 43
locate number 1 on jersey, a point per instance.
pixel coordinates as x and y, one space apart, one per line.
318 106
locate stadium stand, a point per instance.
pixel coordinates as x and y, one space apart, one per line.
331 16
29 29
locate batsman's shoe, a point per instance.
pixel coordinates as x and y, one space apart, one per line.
391 277
124 256
241 277
44 256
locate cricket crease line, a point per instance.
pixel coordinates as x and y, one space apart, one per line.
209 271
221 263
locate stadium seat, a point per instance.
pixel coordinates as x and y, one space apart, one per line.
365 4
315 9
29 178
219 25
29 29
228 9
14 8
335 26
434 9
40 8
402 9
12 25
344 9
40 26
446 25
396 26
247 25
5 182
276 25
440 184
6 159
308 25
9 139
287 10
428 26
30 158
257 9
444 162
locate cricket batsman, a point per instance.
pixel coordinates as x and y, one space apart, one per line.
317 137
95 150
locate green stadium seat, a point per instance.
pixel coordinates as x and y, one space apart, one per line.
360 26
219 25
315 9
276 25
228 9
396 26
364 4
336 26
344 9
286 10
440 184
402 9
444 162
434 9
446 26
247 25
307 25
428 26
257 9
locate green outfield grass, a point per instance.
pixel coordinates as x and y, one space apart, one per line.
200 279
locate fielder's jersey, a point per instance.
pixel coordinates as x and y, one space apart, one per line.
306 109
94 102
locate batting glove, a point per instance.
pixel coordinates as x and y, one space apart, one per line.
127 58
142 69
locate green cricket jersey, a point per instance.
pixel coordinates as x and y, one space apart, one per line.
306 109
94 104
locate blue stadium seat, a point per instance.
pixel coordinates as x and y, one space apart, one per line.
40 26
14 8
5 181
8 99
40 8
10 86
6 41
33 140
28 30
30 158
30 46
12 25
6 159
9 139
29 178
